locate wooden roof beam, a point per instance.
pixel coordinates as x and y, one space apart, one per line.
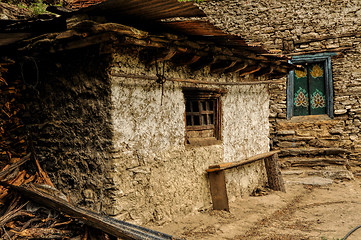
264 71
219 67
236 68
186 59
250 70
165 55
202 62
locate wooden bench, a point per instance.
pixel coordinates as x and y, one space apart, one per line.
218 182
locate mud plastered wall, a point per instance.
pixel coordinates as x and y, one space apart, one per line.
306 27
68 118
157 177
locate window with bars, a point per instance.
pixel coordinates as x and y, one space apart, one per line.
309 88
202 116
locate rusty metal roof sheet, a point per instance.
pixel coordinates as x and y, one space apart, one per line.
205 30
77 4
144 9
195 28
162 15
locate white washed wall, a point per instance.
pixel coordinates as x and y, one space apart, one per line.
156 176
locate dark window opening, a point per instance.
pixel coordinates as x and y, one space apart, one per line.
202 116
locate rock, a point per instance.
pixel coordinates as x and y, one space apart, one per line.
340 111
286 132
336 131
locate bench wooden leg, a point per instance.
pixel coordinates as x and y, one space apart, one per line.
217 182
275 180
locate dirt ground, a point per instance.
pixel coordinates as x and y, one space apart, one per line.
325 212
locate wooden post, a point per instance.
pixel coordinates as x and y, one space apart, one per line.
218 190
275 180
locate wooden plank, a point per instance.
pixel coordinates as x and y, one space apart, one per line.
217 183
107 224
81 43
275 180
197 82
223 166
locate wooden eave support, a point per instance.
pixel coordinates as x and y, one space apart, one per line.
282 69
186 59
125 40
164 55
119 29
198 54
81 43
221 66
264 71
53 46
217 179
249 70
202 62
237 67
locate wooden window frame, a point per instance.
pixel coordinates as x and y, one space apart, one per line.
324 58
199 95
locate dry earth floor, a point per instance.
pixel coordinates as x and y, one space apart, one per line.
323 212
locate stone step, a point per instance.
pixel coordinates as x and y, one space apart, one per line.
341 174
311 151
312 181
312 162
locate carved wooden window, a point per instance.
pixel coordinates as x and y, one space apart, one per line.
202 116
309 90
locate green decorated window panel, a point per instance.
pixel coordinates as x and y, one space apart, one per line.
309 90
310 87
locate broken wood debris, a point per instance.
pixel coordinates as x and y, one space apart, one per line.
19 165
109 225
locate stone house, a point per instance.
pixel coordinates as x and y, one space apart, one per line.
315 111
126 119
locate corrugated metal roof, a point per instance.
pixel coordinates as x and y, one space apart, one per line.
143 9
161 16
77 4
195 28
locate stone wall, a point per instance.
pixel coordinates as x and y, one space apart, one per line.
156 175
306 27
68 118
111 145
282 24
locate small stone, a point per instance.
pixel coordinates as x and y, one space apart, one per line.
336 131
286 132
340 111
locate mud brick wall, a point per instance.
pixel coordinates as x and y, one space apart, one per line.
306 27
157 176
69 121
110 144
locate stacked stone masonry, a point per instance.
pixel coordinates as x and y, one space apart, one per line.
68 119
297 28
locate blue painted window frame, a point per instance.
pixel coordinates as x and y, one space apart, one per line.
320 57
